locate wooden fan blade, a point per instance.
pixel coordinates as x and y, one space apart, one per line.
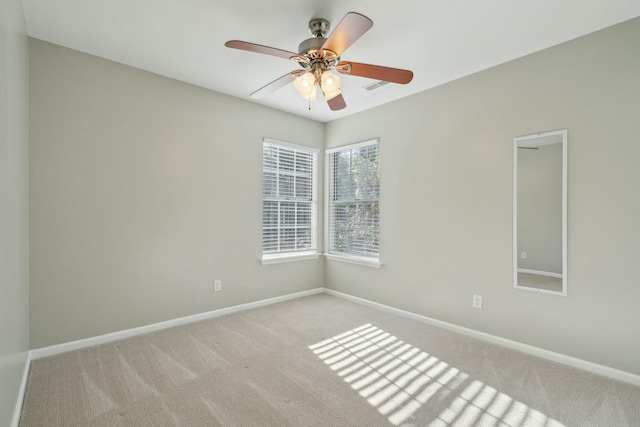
352 26
387 74
337 103
252 47
272 87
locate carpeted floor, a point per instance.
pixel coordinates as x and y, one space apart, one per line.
316 361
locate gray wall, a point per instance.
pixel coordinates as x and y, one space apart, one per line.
446 198
134 207
540 208
143 191
14 215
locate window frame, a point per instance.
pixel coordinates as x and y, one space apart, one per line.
292 255
330 254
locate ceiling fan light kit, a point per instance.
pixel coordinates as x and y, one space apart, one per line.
319 55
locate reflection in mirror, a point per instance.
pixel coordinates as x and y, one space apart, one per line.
540 212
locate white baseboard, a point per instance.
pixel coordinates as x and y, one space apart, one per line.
514 345
23 389
127 333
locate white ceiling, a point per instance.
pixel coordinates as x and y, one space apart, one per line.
438 40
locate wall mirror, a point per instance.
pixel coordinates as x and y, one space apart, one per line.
540 212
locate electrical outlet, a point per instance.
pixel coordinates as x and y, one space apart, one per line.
523 255
217 285
477 301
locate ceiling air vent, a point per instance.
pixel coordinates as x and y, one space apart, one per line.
376 85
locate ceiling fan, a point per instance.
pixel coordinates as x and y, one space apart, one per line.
319 55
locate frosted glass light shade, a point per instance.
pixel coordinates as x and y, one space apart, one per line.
330 85
306 86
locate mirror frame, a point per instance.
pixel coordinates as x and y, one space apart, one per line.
528 138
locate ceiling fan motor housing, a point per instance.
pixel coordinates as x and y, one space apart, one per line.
310 45
313 57
316 57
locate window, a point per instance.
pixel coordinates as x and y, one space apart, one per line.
354 200
289 203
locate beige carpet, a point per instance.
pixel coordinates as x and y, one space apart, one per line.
316 361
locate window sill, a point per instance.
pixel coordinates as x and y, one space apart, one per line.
367 262
282 258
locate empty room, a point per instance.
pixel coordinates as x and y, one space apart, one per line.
301 213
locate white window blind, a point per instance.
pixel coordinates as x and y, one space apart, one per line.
354 199
289 206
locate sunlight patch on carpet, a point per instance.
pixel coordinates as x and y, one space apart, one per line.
398 379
